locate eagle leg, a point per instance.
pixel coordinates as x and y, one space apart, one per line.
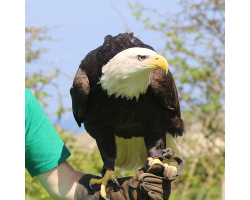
155 142
107 147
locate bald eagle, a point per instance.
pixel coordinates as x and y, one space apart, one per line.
127 99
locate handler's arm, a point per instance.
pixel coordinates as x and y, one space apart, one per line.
61 181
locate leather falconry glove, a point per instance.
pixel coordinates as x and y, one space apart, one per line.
143 186
152 182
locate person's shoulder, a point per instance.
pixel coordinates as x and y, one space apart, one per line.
27 92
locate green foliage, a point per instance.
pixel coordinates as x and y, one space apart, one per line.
34 189
194 47
193 43
34 34
38 83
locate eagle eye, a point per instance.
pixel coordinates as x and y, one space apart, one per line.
141 58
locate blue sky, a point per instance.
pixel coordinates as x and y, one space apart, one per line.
82 28
52 13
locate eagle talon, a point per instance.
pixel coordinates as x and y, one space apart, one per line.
116 182
90 185
105 198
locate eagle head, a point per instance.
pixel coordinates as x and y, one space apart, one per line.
127 73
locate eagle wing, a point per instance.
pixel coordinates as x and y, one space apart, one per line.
79 93
163 86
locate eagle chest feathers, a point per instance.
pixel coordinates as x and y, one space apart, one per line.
120 105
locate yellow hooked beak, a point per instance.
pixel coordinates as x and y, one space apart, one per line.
159 62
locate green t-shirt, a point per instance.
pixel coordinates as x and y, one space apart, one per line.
44 149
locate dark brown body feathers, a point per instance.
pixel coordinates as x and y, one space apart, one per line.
155 113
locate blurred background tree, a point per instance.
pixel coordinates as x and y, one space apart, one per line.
194 47
194 41
40 83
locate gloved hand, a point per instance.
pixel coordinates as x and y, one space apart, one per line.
143 186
